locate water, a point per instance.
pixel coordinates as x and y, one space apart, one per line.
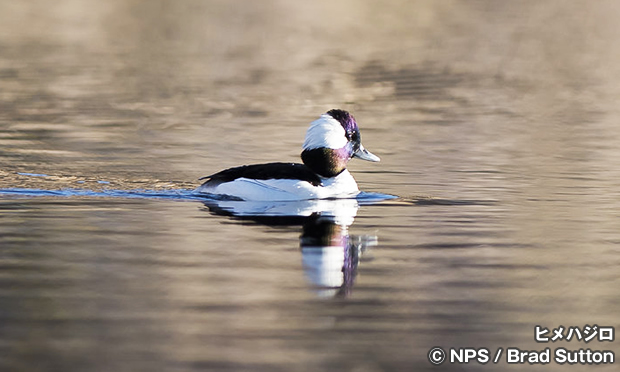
496 123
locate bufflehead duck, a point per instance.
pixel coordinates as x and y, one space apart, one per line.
331 141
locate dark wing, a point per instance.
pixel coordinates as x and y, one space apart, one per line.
264 172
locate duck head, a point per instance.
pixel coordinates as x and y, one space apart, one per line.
331 141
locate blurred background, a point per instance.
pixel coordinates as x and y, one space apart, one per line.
496 122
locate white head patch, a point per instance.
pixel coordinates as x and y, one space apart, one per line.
325 132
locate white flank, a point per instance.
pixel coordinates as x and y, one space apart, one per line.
325 132
341 186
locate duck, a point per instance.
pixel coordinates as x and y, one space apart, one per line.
330 142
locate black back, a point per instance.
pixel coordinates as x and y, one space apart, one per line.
264 172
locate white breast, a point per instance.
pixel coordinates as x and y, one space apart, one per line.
325 132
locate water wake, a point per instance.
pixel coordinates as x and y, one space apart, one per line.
174 194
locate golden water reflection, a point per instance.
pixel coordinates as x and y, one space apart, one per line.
507 112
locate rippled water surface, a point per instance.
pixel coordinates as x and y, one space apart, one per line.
497 124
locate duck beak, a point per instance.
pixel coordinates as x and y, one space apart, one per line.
364 154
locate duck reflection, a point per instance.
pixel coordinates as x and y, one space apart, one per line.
330 255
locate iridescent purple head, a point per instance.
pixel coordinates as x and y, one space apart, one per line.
347 121
331 141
